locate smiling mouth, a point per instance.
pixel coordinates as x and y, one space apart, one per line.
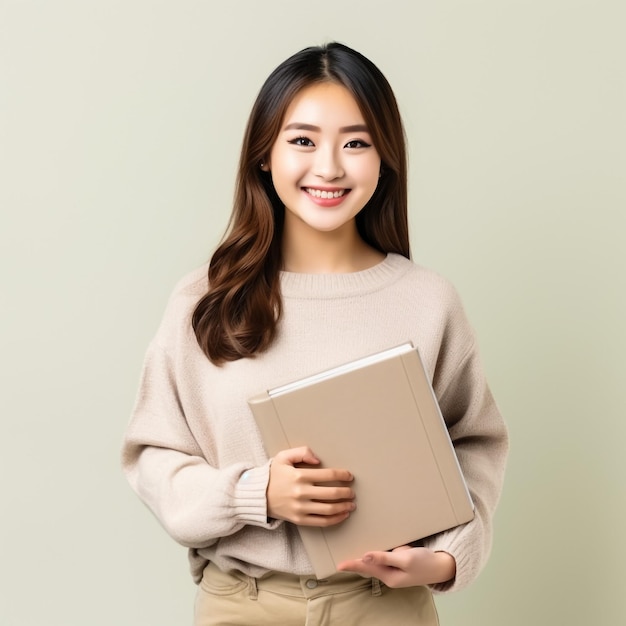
319 193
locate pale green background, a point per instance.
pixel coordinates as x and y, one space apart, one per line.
121 123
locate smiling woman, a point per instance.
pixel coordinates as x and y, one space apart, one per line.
313 272
238 316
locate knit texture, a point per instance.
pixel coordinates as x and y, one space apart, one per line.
193 453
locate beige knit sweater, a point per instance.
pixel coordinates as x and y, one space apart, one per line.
192 436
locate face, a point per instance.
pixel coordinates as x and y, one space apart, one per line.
323 163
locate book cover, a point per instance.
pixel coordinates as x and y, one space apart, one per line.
377 417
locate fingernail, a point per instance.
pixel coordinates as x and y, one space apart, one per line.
367 558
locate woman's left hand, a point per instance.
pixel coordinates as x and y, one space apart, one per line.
404 566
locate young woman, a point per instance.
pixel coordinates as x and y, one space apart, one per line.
313 271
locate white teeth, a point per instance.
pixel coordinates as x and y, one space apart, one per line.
318 193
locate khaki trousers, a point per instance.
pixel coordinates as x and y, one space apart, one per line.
234 599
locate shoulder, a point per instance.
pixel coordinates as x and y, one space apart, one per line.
194 284
182 303
425 285
431 301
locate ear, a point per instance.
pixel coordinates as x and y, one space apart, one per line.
265 166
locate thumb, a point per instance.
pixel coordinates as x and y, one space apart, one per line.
303 454
379 558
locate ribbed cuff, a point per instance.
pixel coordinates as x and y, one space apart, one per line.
454 542
250 499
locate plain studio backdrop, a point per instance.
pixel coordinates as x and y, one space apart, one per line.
121 124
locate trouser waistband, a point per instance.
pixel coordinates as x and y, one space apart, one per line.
300 586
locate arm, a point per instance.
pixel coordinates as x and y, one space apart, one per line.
481 442
480 439
196 502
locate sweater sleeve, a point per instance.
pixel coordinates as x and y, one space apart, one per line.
196 503
480 438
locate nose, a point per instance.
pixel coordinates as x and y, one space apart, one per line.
328 163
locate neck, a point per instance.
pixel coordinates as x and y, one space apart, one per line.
309 251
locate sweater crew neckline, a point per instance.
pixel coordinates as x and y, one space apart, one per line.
296 285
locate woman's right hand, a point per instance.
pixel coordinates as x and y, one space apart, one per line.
301 495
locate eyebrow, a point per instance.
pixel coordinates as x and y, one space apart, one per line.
355 128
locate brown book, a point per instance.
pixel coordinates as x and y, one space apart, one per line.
377 417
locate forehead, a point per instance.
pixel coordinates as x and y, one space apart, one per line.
324 104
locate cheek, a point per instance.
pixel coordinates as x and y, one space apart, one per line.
285 163
370 174
286 174
369 168
285 178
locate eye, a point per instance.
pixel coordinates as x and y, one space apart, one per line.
304 142
357 143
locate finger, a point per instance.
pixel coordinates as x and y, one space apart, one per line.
328 509
401 548
327 475
387 575
322 521
358 566
329 494
377 559
352 565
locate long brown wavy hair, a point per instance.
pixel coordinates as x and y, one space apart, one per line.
239 315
